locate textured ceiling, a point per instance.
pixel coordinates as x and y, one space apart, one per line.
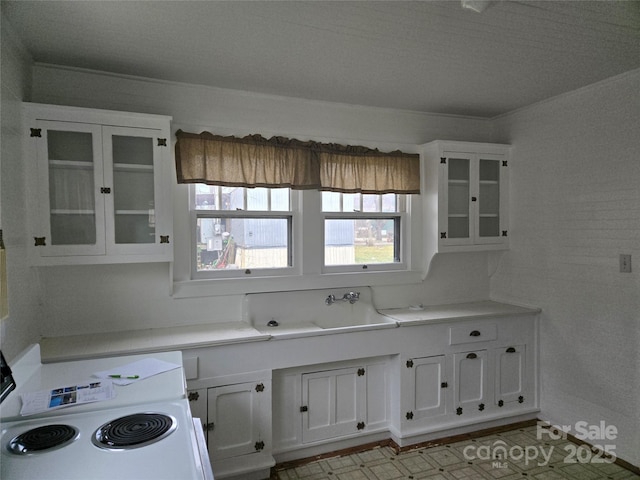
429 56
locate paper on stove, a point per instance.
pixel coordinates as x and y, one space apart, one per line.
141 369
86 392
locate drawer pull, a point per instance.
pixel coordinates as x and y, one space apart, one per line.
472 356
511 350
475 333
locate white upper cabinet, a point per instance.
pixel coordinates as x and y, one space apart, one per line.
98 188
466 189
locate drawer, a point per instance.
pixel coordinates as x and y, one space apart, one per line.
472 333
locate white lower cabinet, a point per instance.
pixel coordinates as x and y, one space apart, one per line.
237 423
329 402
511 385
434 380
470 385
426 385
333 403
478 378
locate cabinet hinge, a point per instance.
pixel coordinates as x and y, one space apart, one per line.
162 142
304 409
501 403
409 415
459 411
36 132
504 163
208 427
260 387
105 190
409 363
360 426
504 233
444 385
520 399
443 159
164 238
361 372
193 396
481 407
259 446
40 241
443 234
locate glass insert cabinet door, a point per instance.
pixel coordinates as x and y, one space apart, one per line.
489 198
458 196
99 189
69 171
474 199
132 162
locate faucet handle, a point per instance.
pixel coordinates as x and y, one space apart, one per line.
330 299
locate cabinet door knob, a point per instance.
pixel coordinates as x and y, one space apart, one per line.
304 409
474 199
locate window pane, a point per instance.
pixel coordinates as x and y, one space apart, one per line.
331 201
209 197
361 241
371 203
225 243
280 200
258 199
389 203
351 202
232 198
206 197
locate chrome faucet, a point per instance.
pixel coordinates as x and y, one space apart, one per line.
351 297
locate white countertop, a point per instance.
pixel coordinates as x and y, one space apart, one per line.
460 311
75 347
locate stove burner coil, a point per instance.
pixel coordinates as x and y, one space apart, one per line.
134 431
43 438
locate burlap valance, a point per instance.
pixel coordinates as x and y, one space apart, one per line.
254 161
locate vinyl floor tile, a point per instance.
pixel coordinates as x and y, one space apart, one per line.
524 453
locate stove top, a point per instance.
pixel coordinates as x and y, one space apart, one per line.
146 432
134 431
169 455
40 439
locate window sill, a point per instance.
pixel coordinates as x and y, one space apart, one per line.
227 286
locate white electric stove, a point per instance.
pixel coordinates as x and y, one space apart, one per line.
146 432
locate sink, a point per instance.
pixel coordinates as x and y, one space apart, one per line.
305 313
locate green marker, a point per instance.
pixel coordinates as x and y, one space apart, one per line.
132 377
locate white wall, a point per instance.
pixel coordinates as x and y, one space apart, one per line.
20 328
89 299
575 199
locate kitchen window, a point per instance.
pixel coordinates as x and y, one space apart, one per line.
363 232
296 214
240 231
